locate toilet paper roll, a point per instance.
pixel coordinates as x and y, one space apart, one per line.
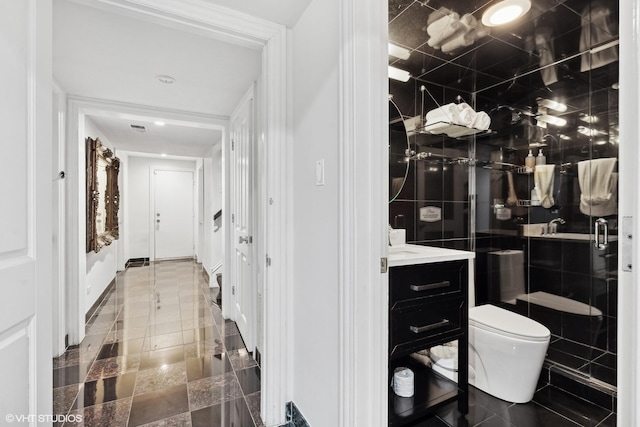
403 382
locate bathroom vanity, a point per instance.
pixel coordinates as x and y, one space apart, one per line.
428 306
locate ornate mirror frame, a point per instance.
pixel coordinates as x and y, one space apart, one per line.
103 195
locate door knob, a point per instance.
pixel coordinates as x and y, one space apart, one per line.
157 220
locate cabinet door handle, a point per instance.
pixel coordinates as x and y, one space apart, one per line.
421 329
420 288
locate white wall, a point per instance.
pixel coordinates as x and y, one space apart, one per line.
315 136
138 206
101 266
199 201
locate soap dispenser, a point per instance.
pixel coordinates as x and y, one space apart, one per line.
535 196
541 159
530 161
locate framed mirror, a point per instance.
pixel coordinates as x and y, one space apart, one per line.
103 195
398 145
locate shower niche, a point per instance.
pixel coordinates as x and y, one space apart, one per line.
549 84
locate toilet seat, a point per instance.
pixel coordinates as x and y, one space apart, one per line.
505 322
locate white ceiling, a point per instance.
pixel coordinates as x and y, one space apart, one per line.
110 56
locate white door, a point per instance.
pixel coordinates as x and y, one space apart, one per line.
242 185
173 215
25 190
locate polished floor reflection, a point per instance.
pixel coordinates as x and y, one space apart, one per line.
159 353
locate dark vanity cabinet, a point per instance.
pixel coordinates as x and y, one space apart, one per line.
428 306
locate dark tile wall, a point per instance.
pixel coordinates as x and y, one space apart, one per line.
440 183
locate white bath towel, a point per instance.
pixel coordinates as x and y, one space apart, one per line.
512 198
460 39
543 178
443 36
447 114
598 185
466 115
482 121
441 24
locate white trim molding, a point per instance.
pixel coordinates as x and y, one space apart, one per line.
210 20
363 209
629 206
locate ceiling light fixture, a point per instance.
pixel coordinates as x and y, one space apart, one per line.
398 74
505 11
159 123
552 120
163 154
554 105
165 79
398 52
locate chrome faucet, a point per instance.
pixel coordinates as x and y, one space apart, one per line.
552 226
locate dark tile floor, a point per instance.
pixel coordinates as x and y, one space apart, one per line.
551 407
159 353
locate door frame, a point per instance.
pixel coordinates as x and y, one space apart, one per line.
244 30
77 109
152 204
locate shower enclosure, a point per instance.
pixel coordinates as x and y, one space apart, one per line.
546 236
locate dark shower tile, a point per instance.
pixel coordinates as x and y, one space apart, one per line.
533 415
404 212
229 413
429 220
477 414
545 254
580 388
402 30
571 406
456 220
577 287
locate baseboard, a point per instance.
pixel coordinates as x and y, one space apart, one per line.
295 417
100 300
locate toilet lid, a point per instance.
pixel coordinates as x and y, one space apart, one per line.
494 318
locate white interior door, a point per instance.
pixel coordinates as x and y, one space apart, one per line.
243 285
173 215
25 187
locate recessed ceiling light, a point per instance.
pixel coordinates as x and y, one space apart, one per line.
163 154
554 105
398 74
505 11
552 120
166 79
159 123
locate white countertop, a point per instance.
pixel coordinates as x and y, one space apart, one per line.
418 254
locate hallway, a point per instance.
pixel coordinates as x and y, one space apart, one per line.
159 353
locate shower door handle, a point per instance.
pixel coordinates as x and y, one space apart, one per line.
605 232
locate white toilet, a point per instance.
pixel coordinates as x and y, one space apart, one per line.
506 352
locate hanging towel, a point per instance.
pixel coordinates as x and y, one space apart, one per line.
512 199
544 45
449 31
597 28
598 186
543 178
482 121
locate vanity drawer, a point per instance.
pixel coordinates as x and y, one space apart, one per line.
409 285
414 328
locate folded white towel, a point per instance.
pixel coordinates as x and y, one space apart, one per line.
466 115
441 24
543 177
447 114
598 185
449 31
482 121
460 39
